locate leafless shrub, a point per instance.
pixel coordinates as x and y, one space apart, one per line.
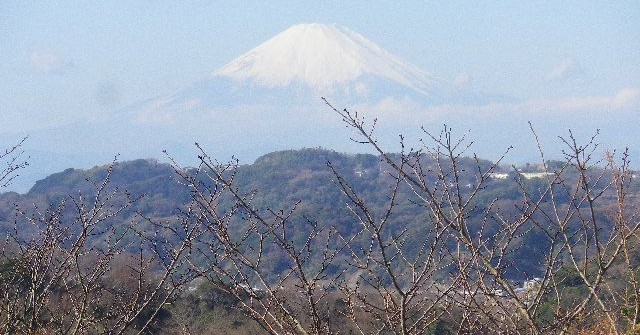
73 268
580 238
463 268
234 245
12 160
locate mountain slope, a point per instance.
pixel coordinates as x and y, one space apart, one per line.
322 56
298 66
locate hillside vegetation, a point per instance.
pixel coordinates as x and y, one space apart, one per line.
279 180
300 191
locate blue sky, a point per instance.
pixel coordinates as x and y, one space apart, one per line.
66 62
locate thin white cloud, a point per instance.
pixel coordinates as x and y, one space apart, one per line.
49 62
626 99
168 110
462 79
402 110
157 112
568 68
396 110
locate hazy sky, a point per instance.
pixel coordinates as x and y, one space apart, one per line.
67 64
63 61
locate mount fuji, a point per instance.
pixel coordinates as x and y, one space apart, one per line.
325 58
303 63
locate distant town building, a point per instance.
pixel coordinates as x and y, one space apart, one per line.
532 175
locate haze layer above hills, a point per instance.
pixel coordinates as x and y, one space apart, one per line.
270 99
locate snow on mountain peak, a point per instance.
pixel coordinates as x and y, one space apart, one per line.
321 55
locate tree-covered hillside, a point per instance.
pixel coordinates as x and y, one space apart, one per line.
280 180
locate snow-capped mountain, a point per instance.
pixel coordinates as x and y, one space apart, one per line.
303 63
322 56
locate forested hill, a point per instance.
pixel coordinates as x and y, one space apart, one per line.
278 181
